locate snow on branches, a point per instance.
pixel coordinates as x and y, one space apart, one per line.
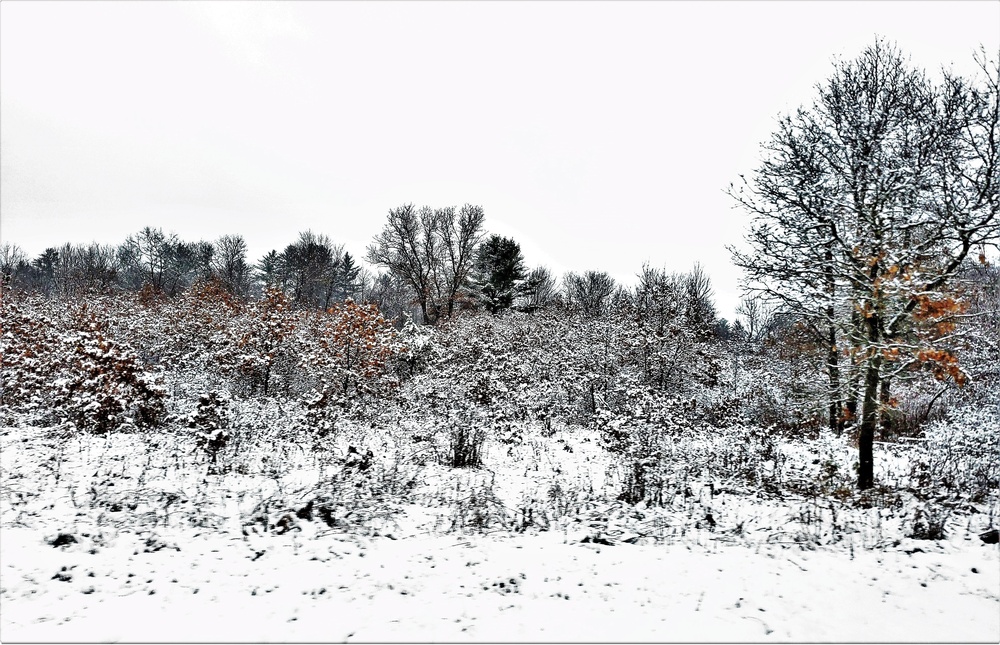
66 368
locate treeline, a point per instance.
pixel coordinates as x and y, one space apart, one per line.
314 270
434 264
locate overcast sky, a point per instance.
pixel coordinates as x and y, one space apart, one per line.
598 135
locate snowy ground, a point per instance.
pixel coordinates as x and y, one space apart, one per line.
524 588
152 573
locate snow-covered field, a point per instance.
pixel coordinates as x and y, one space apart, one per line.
153 549
219 587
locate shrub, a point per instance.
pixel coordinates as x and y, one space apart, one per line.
961 455
211 420
350 348
466 437
929 522
477 508
72 371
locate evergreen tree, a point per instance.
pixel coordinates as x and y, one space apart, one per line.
267 269
346 284
45 269
499 273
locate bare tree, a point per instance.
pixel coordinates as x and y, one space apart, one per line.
14 266
675 315
460 235
866 208
432 250
699 301
539 289
78 269
392 295
145 257
229 264
308 269
755 317
589 291
97 267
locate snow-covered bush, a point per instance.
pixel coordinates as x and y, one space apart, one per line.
961 454
930 522
475 507
212 423
349 348
659 465
259 354
763 386
67 369
465 443
644 418
361 495
417 347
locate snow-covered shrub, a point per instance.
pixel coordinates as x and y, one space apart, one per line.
764 387
737 458
749 454
322 410
349 348
67 369
26 351
643 482
961 455
259 353
477 507
212 423
465 442
929 522
916 404
197 324
362 495
417 347
643 418
105 386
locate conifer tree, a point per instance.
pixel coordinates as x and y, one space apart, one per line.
499 273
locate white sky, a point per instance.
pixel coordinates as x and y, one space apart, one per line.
599 135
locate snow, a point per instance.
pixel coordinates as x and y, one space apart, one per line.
431 588
178 566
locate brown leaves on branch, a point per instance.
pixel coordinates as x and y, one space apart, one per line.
67 368
942 364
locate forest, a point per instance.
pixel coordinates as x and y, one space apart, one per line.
439 385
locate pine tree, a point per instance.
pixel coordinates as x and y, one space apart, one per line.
267 269
499 273
346 283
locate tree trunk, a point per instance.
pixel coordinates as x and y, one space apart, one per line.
869 421
833 370
835 395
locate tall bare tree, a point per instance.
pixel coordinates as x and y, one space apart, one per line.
432 250
866 208
589 291
539 289
309 268
14 266
229 264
